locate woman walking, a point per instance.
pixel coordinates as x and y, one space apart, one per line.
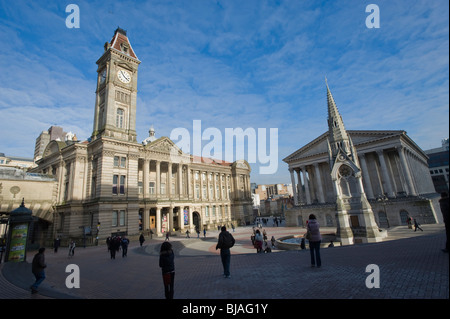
314 241
167 264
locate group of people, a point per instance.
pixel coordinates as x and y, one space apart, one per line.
225 242
259 241
115 243
263 221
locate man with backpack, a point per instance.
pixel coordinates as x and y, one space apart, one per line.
226 241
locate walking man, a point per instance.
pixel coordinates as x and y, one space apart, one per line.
226 241
443 202
37 268
417 225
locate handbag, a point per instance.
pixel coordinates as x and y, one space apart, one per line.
308 234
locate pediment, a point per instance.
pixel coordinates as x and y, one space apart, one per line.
53 147
164 145
320 144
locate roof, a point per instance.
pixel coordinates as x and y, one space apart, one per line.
118 39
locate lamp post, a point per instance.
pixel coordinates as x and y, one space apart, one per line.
18 231
383 198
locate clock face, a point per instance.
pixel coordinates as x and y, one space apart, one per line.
124 76
103 76
345 171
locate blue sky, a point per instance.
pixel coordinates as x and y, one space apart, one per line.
249 64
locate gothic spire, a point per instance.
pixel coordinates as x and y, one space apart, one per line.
337 134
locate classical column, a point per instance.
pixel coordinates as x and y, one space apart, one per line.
305 179
299 188
169 180
180 180
406 172
181 217
158 179
158 222
319 183
145 177
191 225
146 219
384 172
294 187
189 186
170 221
366 177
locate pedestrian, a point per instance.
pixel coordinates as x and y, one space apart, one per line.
444 203
72 246
198 232
37 268
204 232
187 233
124 243
113 247
232 227
141 239
226 241
56 244
314 241
258 241
167 264
273 241
267 249
167 236
417 225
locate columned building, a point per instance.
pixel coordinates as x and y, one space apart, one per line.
114 185
387 167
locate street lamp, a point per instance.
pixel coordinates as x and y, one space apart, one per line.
383 198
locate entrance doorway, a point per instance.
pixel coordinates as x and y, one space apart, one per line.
196 220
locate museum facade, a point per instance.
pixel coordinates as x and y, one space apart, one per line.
113 185
385 170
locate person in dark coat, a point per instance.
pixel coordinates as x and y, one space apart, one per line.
167 264
141 239
314 241
37 268
444 203
226 241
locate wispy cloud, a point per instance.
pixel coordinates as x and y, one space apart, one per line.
257 64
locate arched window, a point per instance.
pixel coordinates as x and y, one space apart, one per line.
119 118
383 221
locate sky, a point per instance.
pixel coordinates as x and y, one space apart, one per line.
254 64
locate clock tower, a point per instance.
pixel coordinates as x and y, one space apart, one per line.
115 105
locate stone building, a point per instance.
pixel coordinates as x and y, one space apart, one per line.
112 184
381 171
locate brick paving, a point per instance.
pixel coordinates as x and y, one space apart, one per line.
412 266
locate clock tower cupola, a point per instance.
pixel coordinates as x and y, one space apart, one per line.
115 105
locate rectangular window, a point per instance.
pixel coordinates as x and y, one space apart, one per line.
163 189
122 218
123 162
140 190
122 184
116 161
197 191
114 218
118 218
115 184
118 186
151 188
